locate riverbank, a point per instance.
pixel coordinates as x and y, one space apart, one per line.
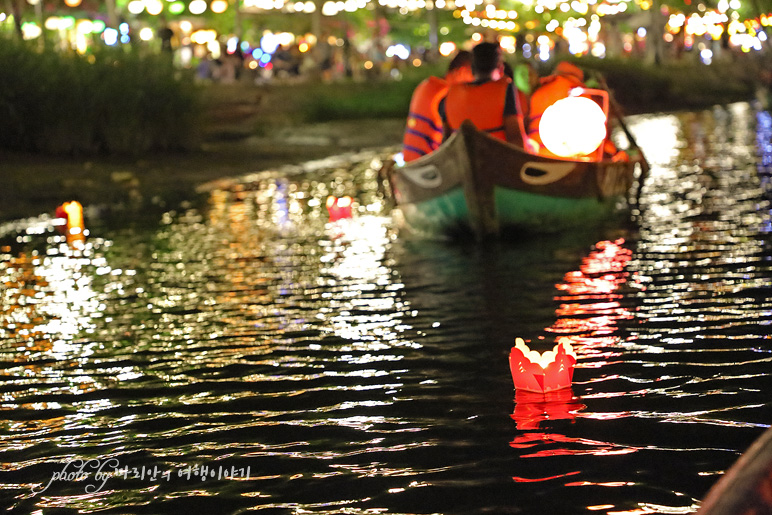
37 184
248 128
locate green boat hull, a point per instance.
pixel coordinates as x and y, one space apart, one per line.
515 209
476 182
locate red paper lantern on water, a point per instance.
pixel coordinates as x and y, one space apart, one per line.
74 228
339 207
541 372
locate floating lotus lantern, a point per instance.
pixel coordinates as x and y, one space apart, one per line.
74 227
339 207
541 372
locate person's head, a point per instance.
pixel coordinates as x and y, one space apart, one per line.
486 59
460 68
567 69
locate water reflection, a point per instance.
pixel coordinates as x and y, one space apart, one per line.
355 371
532 408
669 325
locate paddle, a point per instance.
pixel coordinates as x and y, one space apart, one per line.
617 111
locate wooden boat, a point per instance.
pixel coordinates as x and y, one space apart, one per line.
746 488
478 182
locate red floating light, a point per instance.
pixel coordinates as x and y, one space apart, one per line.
74 228
541 372
339 207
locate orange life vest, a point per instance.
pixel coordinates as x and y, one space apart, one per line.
423 132
482 104
552 89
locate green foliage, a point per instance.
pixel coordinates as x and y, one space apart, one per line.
372 99
357 101
675 85
637 87
112 101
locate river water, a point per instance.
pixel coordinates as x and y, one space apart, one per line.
250 356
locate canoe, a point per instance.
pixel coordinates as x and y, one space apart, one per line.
746 488
475 182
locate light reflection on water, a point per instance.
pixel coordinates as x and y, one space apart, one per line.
353 370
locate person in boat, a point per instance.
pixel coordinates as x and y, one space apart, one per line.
423 131
488 102
526 80
552 88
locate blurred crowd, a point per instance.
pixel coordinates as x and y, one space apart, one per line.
329 60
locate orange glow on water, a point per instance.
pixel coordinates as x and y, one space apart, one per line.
538 479
75 228
591 305
531 408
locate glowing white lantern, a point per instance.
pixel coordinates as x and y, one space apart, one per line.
573 126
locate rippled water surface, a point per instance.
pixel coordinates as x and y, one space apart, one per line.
252 356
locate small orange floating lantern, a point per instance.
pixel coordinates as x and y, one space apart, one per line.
542 372
339 207
75 228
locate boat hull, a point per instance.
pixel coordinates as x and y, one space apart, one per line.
484 184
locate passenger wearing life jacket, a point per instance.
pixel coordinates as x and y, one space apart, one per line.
488 102
551 89
423 132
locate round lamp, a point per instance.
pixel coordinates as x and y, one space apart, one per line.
573 126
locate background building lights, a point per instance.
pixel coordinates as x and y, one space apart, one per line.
135 6
447 48
110 36
146 34
176 7
534 28
218 6
197 7
154 7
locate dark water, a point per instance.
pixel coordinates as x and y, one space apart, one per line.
251 357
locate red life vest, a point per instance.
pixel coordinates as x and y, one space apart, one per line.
482 104
423 133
